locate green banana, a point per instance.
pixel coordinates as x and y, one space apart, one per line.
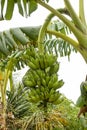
30 52
31 65
45 62
33 99
55 85
54 96
51 98
52 92
35 62
60 83
33 92
58 101
42 89
55 78
39 83
47 79
52 81
38 91
29 83
43 81
40 73
28 79
35 76
51 59
41 61
54 69
50 84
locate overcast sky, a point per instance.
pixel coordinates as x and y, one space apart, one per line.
73 72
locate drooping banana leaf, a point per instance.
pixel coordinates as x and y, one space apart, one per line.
20 38
17 38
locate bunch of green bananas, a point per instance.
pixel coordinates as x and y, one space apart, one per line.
42 78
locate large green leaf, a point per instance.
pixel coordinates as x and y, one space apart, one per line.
20 7
20 37
15 38
10 9
3 47
17 103
32 32
25 7
2 6
32 6
59 47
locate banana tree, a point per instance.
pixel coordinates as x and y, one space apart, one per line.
77 24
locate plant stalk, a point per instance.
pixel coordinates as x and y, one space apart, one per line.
72 27
74 16
42 33
81 12
64 37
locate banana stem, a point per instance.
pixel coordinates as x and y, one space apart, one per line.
74 16
64 37
7 74
42 33
72 27
81 12
11 81
44 28
75 44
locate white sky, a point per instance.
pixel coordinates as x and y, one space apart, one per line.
73 72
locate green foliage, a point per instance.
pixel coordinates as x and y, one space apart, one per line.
25 7
17 102
13 62
17 38
82 100
32 6
62 116
58 47
69 111
20 38
9 9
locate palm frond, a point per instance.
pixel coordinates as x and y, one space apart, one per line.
17 102
17 38
58 47
21 38
25 8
